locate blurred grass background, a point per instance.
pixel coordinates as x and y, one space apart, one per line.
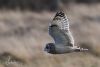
24 33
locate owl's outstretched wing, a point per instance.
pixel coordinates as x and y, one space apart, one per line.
59 30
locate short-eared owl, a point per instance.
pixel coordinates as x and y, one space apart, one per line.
59 30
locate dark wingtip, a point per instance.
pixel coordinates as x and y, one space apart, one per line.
60 13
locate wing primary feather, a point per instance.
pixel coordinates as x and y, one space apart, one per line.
59 30
61 20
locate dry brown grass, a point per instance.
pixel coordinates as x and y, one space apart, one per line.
24 35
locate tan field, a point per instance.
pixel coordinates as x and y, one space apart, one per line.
23 36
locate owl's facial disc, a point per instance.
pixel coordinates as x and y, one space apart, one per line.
47 48
50 48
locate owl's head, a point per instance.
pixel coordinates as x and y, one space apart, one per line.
50 48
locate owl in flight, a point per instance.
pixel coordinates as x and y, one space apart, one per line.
60 32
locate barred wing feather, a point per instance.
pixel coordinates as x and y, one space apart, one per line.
59 30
